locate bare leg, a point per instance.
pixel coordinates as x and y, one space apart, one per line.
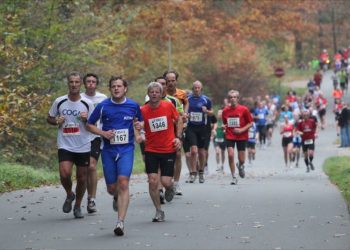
92 178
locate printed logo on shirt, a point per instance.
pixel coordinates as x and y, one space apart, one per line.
70 112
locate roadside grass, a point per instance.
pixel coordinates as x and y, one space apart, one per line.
15 176
338 170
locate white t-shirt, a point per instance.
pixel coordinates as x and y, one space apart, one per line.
96 99
72 134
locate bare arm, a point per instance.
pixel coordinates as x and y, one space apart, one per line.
95 130
59 120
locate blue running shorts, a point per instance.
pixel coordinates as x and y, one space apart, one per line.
115 165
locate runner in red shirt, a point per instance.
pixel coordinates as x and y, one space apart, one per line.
161 144
236 120
287 140
318 78
307 128
321 103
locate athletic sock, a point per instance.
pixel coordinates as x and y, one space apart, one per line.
306 161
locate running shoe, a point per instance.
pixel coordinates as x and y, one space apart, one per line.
234 181
169 194
178 190
159 217
115 203
91 206
67 205
307 169
161 196
193 177
201 177
77 213
119 228
241 171
312 166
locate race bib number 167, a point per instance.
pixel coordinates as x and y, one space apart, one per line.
121 136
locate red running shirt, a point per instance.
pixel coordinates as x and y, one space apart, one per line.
159 127
308 128
287 131
236 117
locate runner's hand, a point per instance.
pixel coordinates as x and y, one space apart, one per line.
177 143
83 116
60 120
108 134
137 124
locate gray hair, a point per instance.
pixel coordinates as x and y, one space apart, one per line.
74 73
199 83
152 85
232 91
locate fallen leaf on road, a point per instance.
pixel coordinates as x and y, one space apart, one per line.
258 226
338 235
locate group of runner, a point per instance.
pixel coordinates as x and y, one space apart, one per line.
90 124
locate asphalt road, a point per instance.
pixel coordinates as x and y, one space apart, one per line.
272 208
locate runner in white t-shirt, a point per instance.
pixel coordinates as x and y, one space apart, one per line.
70 113
91 82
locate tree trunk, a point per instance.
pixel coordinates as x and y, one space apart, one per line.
334 32
298 48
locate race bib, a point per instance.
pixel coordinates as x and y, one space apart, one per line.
261 116
287 134
308 142
219 139
233 122
251 135
121 136
196 116
71 129
158 124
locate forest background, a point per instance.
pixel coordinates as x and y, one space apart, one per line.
225 44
